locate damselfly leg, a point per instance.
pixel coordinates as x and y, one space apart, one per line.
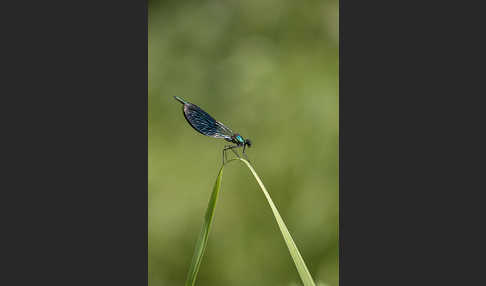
230 147
244 154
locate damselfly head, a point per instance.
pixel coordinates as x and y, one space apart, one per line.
248 142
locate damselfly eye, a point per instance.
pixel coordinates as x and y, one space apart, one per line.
248 142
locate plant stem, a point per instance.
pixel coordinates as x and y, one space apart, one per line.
208 219
294 251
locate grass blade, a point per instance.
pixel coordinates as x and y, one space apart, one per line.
294 252
203 235
208 218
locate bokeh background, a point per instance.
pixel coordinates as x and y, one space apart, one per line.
269 70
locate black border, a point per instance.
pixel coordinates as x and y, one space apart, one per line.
75 179
410 211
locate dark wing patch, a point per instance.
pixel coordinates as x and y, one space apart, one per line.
203 123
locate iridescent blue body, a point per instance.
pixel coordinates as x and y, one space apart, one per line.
203 123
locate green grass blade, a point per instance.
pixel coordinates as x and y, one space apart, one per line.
294 252
203 235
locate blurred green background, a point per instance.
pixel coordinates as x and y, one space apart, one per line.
269 70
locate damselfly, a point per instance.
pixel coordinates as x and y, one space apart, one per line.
203 123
